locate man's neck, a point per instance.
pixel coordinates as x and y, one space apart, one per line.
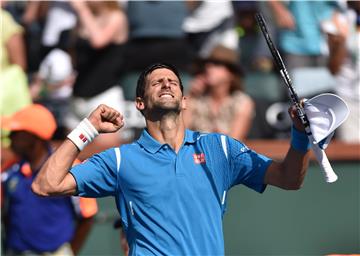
169 129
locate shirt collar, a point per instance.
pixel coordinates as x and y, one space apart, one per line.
152 145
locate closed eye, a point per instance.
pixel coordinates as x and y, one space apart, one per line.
160 81
173 82
155 83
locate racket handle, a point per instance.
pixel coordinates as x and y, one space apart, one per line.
330 175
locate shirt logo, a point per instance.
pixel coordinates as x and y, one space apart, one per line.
13 182
199 158
82 137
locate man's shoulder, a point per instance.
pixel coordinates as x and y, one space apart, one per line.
130 146
224 141
208 137
129 149
210 141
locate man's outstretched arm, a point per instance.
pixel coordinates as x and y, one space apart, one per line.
54 177
290 173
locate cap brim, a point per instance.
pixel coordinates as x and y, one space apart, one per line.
6 123
9 124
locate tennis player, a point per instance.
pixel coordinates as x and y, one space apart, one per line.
170 185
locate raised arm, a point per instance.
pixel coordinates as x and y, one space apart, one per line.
337 32
283 17
54 177
100 35
290 173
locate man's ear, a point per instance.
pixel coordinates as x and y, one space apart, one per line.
183 102
139 102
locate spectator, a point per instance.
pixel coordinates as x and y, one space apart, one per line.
48 25
13 85
32 16
254 53
302 42
156 34
209 24
59 21
343 32
98 60
222 106
52 87
33 224
12 43
300 35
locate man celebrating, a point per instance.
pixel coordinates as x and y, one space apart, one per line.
170 185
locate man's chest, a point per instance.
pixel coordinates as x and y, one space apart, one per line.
160 178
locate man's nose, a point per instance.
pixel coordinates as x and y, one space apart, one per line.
166 83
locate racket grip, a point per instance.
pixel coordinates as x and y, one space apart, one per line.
330 175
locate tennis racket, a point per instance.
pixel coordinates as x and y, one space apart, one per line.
330 175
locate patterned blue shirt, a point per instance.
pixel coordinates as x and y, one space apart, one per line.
172 203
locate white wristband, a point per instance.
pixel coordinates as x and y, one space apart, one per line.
83 134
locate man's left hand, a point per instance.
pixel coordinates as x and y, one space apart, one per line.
295 119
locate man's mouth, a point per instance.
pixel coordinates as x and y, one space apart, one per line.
166 95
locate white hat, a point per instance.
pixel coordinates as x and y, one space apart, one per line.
56 67
325 112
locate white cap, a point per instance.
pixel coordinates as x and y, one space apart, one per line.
56 67
325 112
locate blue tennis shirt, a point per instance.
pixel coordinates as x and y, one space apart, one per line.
172 204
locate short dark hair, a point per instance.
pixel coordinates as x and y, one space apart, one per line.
140 88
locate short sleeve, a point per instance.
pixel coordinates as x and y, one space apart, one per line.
9 26
246 166
97 176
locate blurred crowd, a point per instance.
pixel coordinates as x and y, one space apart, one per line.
70 56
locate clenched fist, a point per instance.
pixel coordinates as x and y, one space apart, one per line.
106 119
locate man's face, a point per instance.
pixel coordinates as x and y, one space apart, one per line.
217 75
162 92
22 142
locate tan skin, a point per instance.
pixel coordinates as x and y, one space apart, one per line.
103 27
15 47
162 107
283 17
337 44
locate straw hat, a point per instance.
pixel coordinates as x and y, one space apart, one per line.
224 56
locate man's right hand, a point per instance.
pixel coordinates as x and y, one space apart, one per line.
106 119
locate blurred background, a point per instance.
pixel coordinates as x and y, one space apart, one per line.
70 56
